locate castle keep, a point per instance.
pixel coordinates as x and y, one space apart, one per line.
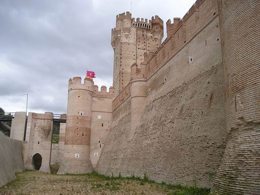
131 39
185 111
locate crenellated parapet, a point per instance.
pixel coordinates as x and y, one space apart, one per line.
156 20
76 83
133 38
103 93
122 97
180 33
124 16
123 20
123 24
194 8
173 27
142 23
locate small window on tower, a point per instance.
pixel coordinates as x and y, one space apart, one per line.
81 113
102 124
190 60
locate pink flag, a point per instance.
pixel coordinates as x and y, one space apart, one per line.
91 74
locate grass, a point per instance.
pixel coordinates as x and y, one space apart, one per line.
33 182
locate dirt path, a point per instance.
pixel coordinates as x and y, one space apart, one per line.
33 182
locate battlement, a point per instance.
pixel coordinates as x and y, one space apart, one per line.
142 23
123 20
194 8
78 83
103 92
156 20
173 27
125 15
147 24
180 32
122 97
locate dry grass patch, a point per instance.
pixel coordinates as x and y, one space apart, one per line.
33 182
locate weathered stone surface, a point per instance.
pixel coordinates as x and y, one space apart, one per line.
38 140
201 99
131 39
186 113
18 126
239 172
180 139
10 157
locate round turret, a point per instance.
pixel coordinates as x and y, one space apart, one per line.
78 127
80 96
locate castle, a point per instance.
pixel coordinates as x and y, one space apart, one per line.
185 111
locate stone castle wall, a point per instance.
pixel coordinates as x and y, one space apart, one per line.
88 122
117 142
239 172
181 134
38 140
187 113
199 101
100 126
11 158
18 126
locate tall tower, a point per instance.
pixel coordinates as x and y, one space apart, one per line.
131 39
76 153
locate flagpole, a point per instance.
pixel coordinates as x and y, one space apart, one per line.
26 108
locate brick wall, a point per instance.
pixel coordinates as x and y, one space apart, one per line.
181 135
240 27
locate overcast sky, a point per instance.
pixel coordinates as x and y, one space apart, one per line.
45 42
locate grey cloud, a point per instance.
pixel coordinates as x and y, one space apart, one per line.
10 87
44 43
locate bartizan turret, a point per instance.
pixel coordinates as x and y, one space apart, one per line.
76 155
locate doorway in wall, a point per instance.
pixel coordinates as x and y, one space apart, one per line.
37 161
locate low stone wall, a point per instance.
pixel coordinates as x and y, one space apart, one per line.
10 158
